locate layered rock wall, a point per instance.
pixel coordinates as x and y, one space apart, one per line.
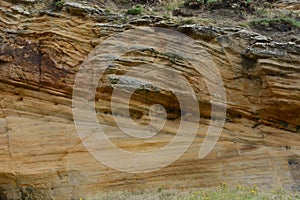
41 155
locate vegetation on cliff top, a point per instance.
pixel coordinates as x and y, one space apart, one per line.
279 24
264 16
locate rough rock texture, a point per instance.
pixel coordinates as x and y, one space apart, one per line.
41 155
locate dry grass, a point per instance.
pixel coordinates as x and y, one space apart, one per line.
222 193
172 5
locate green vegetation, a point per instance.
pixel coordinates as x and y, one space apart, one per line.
59 4
212 1
282 24
223 192
136 10
107 11
267 22
188 21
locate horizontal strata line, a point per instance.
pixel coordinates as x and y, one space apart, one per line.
71 38
286 90
36 87
279 67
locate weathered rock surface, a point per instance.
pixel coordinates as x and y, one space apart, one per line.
41 155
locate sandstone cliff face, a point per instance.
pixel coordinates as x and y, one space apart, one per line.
41 154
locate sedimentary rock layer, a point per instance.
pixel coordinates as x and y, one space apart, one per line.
41 154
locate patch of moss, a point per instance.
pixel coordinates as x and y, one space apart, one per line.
212 1
188 21
59 4
136 10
